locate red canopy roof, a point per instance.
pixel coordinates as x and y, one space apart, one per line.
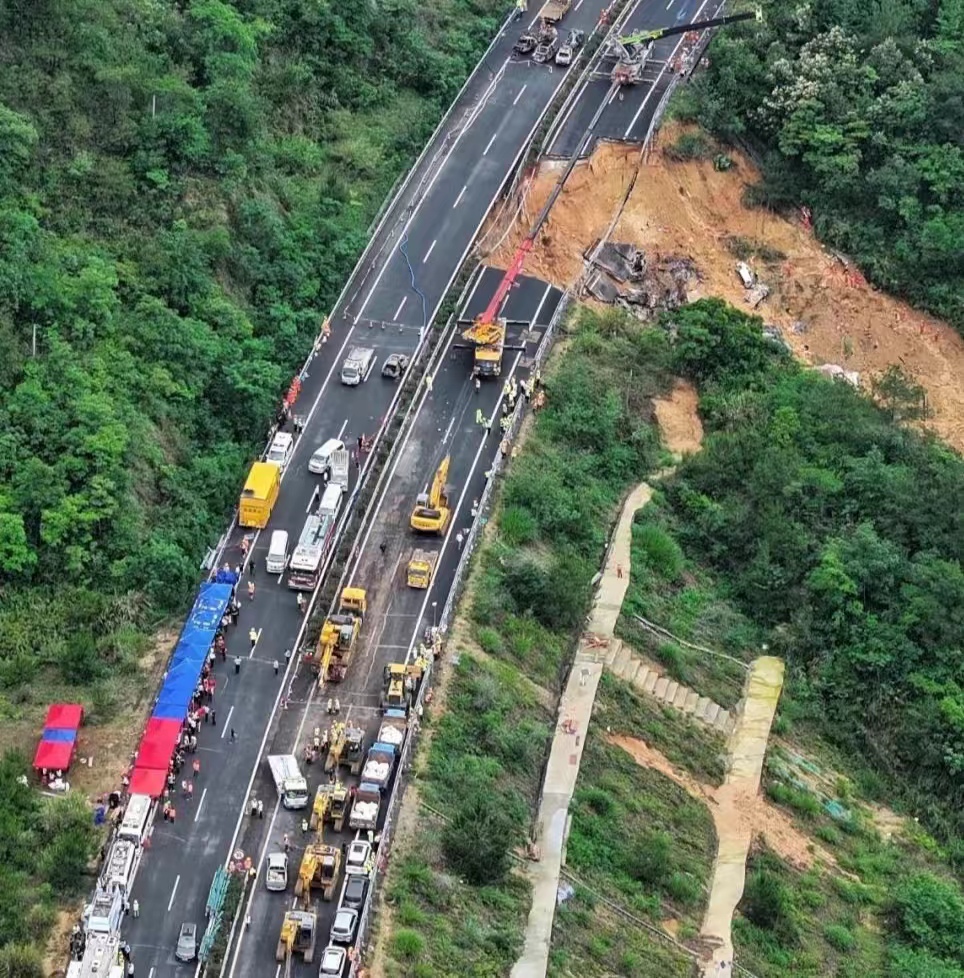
64 715
145 781
158 743
54 755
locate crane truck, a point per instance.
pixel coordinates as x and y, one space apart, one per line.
431 513
339 636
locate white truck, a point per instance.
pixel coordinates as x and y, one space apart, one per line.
357 366
288 779
364 809
340 461
379 765
393 729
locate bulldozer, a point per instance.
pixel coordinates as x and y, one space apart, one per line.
398 686
330 805
339 635
320 866
431 513
297 937
346 747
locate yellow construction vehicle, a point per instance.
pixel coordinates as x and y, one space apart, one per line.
399 683
297 937
339 635
421 568
319 869
330 805
431 513
488 338
346 746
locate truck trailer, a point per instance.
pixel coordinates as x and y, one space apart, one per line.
288 780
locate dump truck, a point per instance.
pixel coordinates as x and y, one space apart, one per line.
259 495
364 809
339 636
346 748
394 729
319 870
431 513
330 806
553 11
289 781
298 931
357 366
421 568
379 765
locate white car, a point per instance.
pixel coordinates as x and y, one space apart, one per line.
276 875
332 962
357 857
345 925
321 457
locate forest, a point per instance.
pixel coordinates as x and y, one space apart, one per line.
856 111
184 189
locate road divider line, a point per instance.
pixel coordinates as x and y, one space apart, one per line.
488 145
431 248
458 200
401 306
515 101
227 723
197 814
170 903
314 495
257 639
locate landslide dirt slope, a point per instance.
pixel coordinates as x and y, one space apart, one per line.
691 209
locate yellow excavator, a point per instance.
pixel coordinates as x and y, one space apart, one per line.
431 513
319 869
297 937
346 746
330 805
339 635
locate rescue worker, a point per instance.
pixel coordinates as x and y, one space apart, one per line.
302 602
237 665
253 636
251 590
196 767
479 417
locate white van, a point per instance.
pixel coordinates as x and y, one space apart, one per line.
136 817
277 559
281 449
321 458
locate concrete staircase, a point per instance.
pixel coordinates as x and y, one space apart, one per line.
647 679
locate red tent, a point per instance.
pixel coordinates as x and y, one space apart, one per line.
54 755
158 743
148 781
64 716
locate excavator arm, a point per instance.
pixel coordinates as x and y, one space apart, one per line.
699 25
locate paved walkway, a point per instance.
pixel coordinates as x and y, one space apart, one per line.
575 711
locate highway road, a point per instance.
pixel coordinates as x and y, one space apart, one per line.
630 111
444 424
426 235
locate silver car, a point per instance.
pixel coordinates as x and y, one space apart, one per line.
186 943
332 962
345 925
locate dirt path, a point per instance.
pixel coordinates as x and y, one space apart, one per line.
734 799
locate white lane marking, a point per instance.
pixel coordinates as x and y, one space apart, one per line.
197 814
257 638
401 306
314 496
515 101
476 112
670 4
458 200
150 973
170 903
496 413
577 5
488 146
431 248
448 430
227 723
662 71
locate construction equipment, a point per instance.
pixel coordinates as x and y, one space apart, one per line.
298 933
431 513
554 10
399 683
320 866
330 805
339 636
421 568
365 807
346 747
633 50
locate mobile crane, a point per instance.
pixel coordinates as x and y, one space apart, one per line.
634 50
431 513
339 635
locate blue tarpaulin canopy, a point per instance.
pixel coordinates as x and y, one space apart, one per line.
59 736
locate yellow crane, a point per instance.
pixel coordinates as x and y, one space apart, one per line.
431 513
339 634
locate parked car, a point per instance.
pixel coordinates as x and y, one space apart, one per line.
355 891
395 366
186 949
357 857
332 962
345 925
276 876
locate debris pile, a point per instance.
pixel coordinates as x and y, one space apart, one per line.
622 275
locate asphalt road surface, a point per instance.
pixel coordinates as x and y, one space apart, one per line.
397 616
433 224
630 111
